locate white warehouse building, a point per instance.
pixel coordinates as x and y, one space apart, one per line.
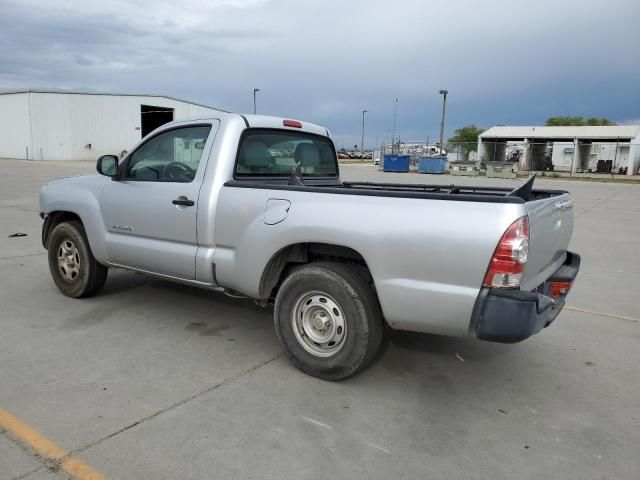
64 125
604 149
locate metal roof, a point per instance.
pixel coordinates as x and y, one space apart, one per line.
588 132
91 92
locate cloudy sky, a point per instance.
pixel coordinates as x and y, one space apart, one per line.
503 62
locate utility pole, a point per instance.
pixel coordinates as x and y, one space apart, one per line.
255 90
444 93
395 114
362 142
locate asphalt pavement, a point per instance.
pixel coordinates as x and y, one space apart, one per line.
153 380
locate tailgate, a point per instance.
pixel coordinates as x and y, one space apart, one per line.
550 229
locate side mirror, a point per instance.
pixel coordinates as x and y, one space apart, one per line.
107 165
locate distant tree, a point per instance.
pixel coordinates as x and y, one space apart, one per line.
568 121
466 138
600 121
565 121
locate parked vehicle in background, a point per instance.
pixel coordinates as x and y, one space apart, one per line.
206 203
343 156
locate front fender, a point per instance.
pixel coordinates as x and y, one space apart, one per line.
79 199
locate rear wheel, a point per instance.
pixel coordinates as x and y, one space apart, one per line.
328 320
73 267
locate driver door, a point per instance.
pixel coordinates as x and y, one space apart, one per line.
149 213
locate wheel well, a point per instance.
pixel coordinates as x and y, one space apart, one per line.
300 253
54 219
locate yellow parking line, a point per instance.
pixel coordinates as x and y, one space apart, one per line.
46 449
593 312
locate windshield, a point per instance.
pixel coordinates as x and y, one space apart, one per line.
277 153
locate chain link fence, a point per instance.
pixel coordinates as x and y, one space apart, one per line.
559 156
552 156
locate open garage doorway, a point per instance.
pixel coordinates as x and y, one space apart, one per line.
151 117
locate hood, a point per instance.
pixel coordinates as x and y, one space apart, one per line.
91 179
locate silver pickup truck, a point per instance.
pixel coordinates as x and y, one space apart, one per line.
253 206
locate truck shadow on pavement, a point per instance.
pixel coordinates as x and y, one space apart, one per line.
212 314
460 347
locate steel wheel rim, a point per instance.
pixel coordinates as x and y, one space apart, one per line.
68 260
319 324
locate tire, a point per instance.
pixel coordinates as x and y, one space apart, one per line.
73 267
314 301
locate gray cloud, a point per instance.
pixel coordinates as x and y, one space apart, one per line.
324 61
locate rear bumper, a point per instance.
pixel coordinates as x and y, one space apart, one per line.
510 316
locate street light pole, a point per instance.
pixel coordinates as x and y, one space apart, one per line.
362 142
255 90
444 107
395 114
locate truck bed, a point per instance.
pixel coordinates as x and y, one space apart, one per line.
400 190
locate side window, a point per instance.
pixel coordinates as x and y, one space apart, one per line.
172 156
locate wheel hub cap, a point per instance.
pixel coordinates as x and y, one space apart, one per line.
69 260
319 324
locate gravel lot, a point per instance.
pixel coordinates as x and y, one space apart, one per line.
151 380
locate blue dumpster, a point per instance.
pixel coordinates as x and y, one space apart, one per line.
432 165
396 163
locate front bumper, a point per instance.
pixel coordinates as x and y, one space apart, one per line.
510 316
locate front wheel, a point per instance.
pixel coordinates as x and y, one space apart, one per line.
74 269
328 320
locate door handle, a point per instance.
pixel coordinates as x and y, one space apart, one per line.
183 201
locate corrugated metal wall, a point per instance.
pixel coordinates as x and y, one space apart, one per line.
68 126
15 131
634 156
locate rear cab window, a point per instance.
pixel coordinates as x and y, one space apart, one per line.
273 153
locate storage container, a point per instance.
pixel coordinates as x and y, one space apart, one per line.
396 163
502 170
432 165
467 169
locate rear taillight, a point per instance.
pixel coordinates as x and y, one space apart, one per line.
508 261
559 288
